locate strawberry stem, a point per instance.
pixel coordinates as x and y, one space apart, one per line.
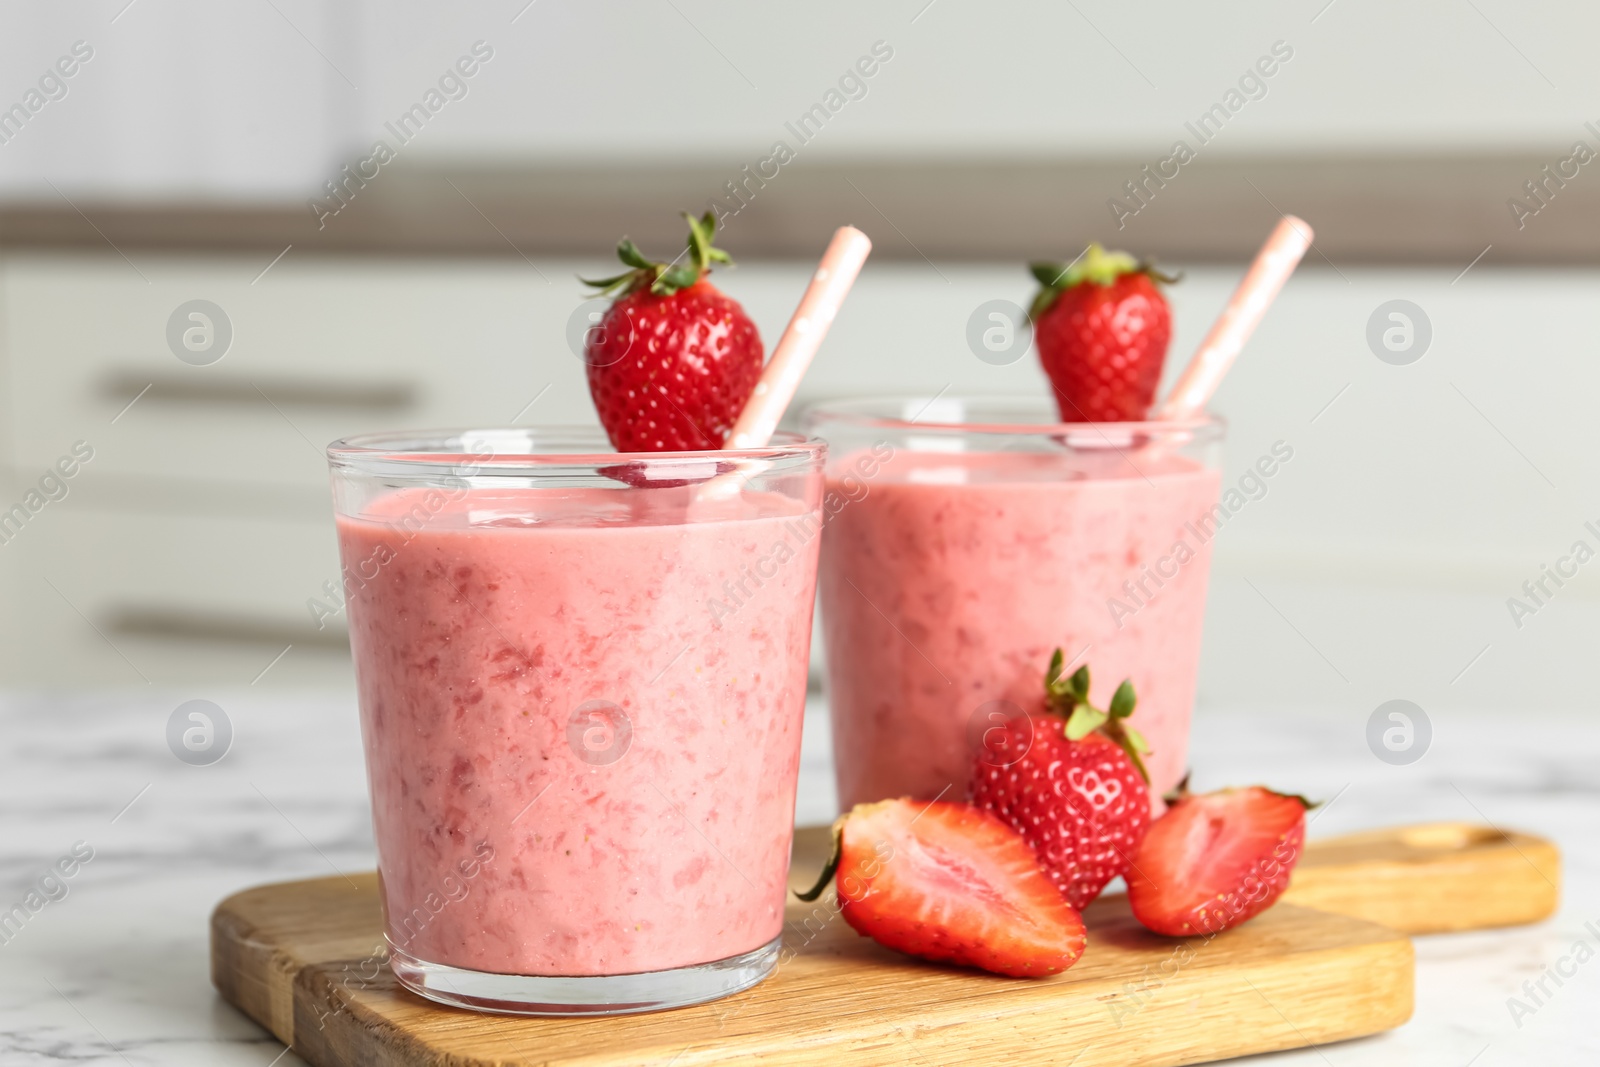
1179 791
1095 267
664 279
830 868
1069 698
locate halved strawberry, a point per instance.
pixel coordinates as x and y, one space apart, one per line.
1214 860
950 883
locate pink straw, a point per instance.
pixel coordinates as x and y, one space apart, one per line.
1246 308
798 346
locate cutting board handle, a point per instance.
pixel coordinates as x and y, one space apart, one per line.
1431 878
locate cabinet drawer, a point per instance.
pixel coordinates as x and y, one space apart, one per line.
319 349
81 582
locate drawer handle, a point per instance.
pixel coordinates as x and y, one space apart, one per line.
124 385
184 624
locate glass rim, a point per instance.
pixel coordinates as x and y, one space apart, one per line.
563 446
868 413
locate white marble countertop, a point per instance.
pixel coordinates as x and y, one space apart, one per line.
115 971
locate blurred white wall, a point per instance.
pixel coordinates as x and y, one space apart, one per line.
190 98
177 100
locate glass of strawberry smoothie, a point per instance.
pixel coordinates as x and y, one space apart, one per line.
976 537
581 678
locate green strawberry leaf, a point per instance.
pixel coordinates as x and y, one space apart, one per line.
1123 700
607 284
1042 301
629 253
1136 739
674 278
1080 682
1095 266
699 237
1048 275
664 279
1084 721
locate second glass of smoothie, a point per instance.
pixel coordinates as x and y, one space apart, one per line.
977 536
582 680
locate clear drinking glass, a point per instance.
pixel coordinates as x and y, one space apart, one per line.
975 536
582 679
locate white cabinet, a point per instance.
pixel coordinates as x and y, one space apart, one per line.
187 546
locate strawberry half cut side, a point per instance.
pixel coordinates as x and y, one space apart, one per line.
953 884
1215 860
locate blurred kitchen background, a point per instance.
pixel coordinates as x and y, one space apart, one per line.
227 153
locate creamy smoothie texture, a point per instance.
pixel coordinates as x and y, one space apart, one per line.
553 700
946 586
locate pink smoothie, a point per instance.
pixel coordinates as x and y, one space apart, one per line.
948 584
523 828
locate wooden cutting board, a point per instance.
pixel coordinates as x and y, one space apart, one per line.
298 957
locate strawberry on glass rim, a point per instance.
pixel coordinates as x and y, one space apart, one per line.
949 883
673 361
1070 780
1101 326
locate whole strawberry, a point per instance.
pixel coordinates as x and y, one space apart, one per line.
1070 780
672 361
1101 326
